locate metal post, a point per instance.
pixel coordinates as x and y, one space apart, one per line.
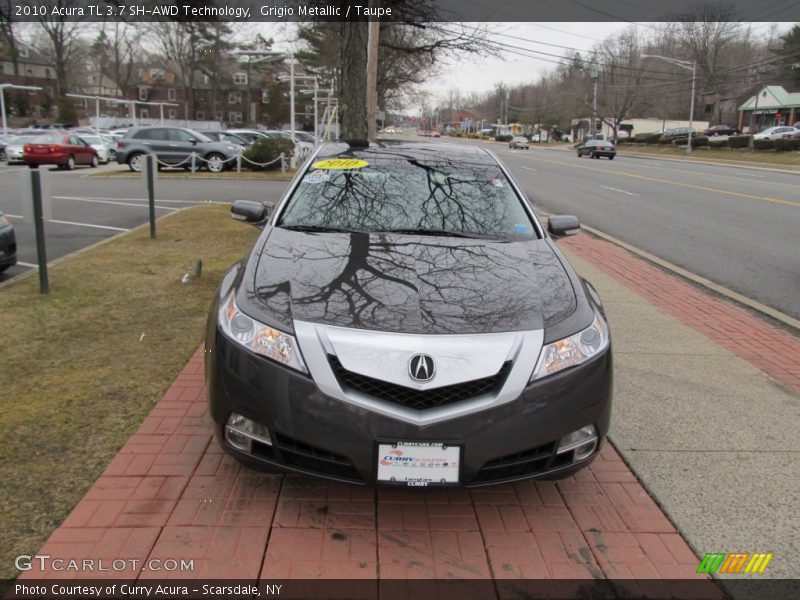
38 222
316 121
3 109
238 163
193 161
691 111
97 116
149 165
283 163
291 93
161 106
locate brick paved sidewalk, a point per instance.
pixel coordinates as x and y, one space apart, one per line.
171 493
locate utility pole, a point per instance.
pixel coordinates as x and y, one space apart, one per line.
594 75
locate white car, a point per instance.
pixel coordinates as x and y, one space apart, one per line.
776 133
104 149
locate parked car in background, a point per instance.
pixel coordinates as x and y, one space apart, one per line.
8 243
251 135
66 150
678 132
776 133
720 130
596 149
464 381
3 143
15 147
174 146
227 137
519 141
102 146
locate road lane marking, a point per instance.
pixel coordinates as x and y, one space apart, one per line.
613 189
29 265
694 277
527 168
676 183
79 199
157 200
90 225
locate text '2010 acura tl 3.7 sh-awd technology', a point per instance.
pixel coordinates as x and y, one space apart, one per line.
404 318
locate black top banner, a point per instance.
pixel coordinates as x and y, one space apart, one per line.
414 11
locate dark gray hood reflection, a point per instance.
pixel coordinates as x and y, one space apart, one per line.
409 284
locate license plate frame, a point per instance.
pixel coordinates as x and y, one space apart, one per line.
419 463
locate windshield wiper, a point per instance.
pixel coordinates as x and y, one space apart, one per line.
318 229
437 232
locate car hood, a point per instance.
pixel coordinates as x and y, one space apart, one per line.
406 283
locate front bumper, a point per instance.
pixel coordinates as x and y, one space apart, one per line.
8 246
313 433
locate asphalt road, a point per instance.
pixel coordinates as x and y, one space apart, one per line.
87 210
735 226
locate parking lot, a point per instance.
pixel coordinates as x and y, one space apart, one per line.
88 209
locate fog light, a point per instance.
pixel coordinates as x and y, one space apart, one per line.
583 442
241 431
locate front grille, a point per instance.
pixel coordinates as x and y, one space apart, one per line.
418 399
304 456
522 464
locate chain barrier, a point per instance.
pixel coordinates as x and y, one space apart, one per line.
193 157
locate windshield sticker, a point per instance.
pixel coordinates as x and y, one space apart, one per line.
522 228
497 183
318 176
340 163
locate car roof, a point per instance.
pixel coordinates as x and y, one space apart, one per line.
405 150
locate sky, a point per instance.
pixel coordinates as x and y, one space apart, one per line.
479 74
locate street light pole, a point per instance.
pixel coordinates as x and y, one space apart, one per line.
690 66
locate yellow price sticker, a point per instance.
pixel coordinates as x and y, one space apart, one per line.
340 163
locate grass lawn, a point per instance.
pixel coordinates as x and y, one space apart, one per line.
762 158
126 173
77 376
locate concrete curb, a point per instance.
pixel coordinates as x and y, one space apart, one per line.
711 162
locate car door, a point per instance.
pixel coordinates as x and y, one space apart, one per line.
78 149
154 141
183 144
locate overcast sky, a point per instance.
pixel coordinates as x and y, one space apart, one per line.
480 74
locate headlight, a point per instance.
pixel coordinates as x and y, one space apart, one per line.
276 345
573 350
4 220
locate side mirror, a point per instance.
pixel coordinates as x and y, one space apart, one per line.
251 212
563 225
194 142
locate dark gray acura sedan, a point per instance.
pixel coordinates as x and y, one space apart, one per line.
404 318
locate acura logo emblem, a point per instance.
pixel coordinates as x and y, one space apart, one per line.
421 368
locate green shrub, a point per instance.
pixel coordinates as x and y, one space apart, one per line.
681 141
502 138
716 143
739 141
701 141
787 145
266 151
665 140
764 144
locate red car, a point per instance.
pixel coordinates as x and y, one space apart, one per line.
63 149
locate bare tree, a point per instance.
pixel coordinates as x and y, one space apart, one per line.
60 46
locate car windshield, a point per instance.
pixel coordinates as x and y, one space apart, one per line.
92 139
410 196
23 139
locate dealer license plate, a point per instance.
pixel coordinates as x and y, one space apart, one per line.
419 463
